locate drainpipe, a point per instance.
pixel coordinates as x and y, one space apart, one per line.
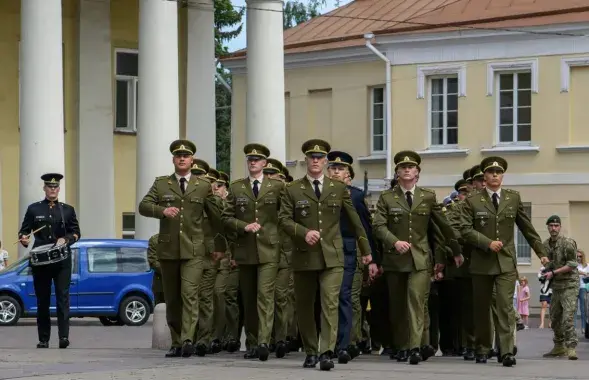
389 111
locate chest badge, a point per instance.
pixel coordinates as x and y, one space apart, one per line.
396 219
242 209
483 223
304 213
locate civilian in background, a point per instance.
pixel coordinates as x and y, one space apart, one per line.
545 296
523 298
3 257
583 269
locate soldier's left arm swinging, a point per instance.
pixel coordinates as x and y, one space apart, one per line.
449 233
72 227
213 207
522 220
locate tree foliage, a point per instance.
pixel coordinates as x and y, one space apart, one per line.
297 12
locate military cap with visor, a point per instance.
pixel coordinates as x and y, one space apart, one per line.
256 151
475 172
182 147
199 167
337 157
52 179
212 175
461 185
466 176
495 162
273 166
316 148
407 157
223 177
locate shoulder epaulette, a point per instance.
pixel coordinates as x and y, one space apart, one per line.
236 181
511 191
162 177
205 179
470 195
427 189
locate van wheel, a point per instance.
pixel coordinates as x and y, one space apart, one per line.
111 321
134 311
10 311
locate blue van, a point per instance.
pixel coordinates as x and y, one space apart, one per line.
111 280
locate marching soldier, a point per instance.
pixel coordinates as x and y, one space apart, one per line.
157 287
310 213
180 201
51 222
487 220
402 221
252 213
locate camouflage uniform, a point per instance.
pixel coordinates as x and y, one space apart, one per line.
563 305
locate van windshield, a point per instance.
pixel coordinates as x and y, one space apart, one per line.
14 265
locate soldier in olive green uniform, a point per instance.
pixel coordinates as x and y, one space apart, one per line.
251 212
283 309
180 201
487 220
310 213
157 287
563 274
402 221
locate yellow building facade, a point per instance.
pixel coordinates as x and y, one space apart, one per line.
457 97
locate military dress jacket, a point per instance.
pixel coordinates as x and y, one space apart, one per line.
243 208
285 251
213 240
395 221
563 253
453 216
357 196
154 264
182 237
480 224
301 212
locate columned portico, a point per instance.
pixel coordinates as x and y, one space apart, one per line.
42 147
265 118
200 86
159 110
96 188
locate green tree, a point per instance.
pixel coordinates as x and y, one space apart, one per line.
297 12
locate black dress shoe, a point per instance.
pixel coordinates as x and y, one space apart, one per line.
492 353
388 352
469 354
187 349
175 352
343 357
481 359
354 351
325 362
43 344
415 357
216 346
281 349
64 342
233 345
200 349
514 350
402 355
427 352
508 360
252 353
310 361
263 352
334 354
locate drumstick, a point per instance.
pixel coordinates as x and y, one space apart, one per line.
29 235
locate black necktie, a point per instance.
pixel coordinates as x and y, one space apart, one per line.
256 188
317 191
183 184
496 201
409 199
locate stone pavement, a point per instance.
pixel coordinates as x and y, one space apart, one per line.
121 352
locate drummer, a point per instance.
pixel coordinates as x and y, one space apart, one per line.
54 223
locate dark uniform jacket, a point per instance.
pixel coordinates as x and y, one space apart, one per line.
58 225
347 229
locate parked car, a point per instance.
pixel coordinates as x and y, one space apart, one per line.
111 280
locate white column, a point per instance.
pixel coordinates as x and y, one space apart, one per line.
159 110
265 76
96 188
200 88
42 147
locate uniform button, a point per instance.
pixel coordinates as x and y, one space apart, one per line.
320 238
319 221
256 210
319 203
182 200
257 235
256 202
319 212
320 230
180 231
410 236
181 208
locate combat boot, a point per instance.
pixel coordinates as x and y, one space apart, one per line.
572 354
556 351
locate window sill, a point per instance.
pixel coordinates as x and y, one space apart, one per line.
124 132
572 148
515 149
443 152
373 158
526 263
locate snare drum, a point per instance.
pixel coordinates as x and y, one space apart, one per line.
49 254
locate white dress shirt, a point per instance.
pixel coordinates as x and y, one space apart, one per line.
491 192
187 176
320 179
412 191
260 179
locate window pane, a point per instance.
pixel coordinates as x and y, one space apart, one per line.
378 128
524 98
506 133
377 111
378 143
378 94
133 260
437 86
452 119
524 115
122 116
506 116
437 136
452 86
437 102
506 99
452 136
437 119
524 81
102 260
505 81
524 132
128 221
128 64
452 102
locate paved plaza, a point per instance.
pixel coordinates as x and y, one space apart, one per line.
124 353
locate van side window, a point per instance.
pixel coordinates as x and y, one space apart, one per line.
133 260
117 260
102 260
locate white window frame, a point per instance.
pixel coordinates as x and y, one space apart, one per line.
497 67
514 142
132 95
384 120
566 64
458 70
445 144
127 233
518 235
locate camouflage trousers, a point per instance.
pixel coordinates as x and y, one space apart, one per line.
563 307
